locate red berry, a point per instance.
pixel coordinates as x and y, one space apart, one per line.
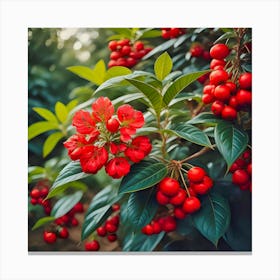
47 210
249 169
63 233
148 230
165 34
222 92
138 46
112 237
44 192
196 174
234 167
179 213
208 182
246 186
219 51
49 237
92 245
130 61
200 188
74 222
35 193
240 177
101 231
217 107
113 45
125 50
169 186
206 55
115 55
246 155
217 62
162 198
112 63
156 227
245 80
121 62
192 192
233 102
191 205
169 224
244 97
207 98
33 201
112 125
111 228
114 220
116 207
174 32
123 42
179 198
209 89
78 208
196 51
218 76
231 86
229 113
241 163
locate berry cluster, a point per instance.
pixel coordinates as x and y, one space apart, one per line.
169 33
59 228
227 97
125 53
38 195
183 201
197 50
241 171
108 229
105 139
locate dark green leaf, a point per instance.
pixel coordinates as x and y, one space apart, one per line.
213 219
192 134
143 175
99 210
51 142
43 221
71 172
39 128
227 35
163 66
150 92
230 141
179 84
208 118
181 40
65 204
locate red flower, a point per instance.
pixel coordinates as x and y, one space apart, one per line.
130 120
117 167
139 148
76 145
84 123
103 109
117 148
93 158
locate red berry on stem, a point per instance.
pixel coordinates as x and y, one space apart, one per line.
245 80
113 45
44 192
209 89
249 169
112 125
148 230
116 207
240 177
156 227
179 213
229 113
219 51
169 186
217 107
125 50
179 198
196 174
218 76
244 97
33 201
200 188
191 205
169 224
101 231
111 228
49 237
112 237
114 220
63 233
222 92
74 222
92 245
217 62
162 198
207 98
35 193
138 46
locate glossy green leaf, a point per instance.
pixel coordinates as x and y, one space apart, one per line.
117 71
141 208
43 221
71 172
213 219
65 204
99 210
179 84
83 72
61 111
207 118
51 142
231 141
39 128
143 175
46 114
192 134
150 92
163 66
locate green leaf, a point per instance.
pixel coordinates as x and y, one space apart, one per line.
46 114
65 204
61 111
99 210
71 105
163 66
227 35
213 219
141 208
143 175
51 142
71 172
150 92
39 128
125 32
83 72
99 72
150 34
43 221
179 84
230 141
117 71
160 48
192 134
207 118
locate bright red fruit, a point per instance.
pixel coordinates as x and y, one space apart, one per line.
113 45
169 224
249 169
148 230
217 62
114 220
191 205
229 113
156 227
219 51
63 233
117 167
222 92
179 198
217 107
169 186
112 63
162 198
240 177
231 86
78 207
111 228
200 188
196 51
112 125
207 98
112 237
179 213
92 245
196 174
233 102
116 207
35 193
125 50
74 222
245 80
218 76
244 97
101 231
209 89
49 237
115 55
138 45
